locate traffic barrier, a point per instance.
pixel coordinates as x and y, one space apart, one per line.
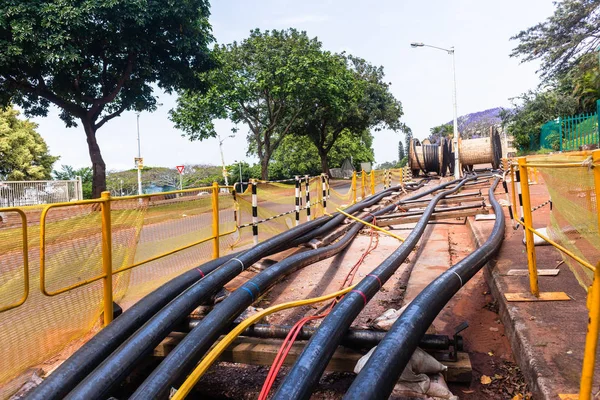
573 182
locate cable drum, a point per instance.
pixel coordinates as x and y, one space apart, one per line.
427 157
485 150
496 148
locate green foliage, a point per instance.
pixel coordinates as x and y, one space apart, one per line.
393 164
401 152
23 153
67 172
407 138
261 82
351 97
440 131
560 42
95 59
299 156
531 111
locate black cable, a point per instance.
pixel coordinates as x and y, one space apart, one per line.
431 157
122 361
84 360
381 372
310 365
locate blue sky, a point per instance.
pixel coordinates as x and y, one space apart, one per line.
379 31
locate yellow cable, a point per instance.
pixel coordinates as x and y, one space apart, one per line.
371 225
212 356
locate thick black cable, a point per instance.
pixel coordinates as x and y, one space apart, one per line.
122 361
431 157
84 360
379 375
182 359
310 365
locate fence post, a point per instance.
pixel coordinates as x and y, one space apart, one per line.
297 193
254 212
215 219
372 182
324 192
598 119
353 188
363 184
591 339
307 197
385 171
531 261
107 257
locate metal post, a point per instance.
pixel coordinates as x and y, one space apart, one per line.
372 182
385 171
353 188
79 188
215 221
107 257
254 212
241 179
324 193
139 171
307 197
456 134
363 184
181 181
297 194
591 339
531 261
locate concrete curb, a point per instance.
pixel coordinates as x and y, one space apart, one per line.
514 327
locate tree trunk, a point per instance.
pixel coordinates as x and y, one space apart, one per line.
264 167
98 165
324 162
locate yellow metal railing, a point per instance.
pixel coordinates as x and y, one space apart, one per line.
25 259
104 202
528 172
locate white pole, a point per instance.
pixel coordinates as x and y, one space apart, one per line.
456 134
223 160
180 181
241 179
139 172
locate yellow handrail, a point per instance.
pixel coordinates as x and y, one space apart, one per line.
25 260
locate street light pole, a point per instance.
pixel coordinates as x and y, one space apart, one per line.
223 159
139 168
456 134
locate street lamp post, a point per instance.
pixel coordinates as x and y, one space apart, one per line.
241 178
455 139
139 159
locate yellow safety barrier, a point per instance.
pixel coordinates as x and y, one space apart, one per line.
577 185
25 260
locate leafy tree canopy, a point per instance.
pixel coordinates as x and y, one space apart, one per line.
67 172
23 153
354 98
560 42
95 59
262 83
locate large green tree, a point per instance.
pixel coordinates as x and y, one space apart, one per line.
262 82
353 99
23 153
298 155
95 59
560 42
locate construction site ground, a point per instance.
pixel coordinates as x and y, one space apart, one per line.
443 244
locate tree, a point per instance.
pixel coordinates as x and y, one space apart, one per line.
533 109
96 59
298 155
23 153
407 138
263 83
353 97
67 172
401 152
560 42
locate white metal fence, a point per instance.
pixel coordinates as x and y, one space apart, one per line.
30 193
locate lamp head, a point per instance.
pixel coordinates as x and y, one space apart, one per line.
416 44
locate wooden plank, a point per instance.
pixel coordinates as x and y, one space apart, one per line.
525 272
544 296
488 217
458 200
257 351
434 217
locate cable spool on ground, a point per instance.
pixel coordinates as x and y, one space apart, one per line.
427 157
487 150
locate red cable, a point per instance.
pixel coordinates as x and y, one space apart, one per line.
289 340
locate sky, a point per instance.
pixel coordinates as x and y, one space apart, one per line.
380 32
